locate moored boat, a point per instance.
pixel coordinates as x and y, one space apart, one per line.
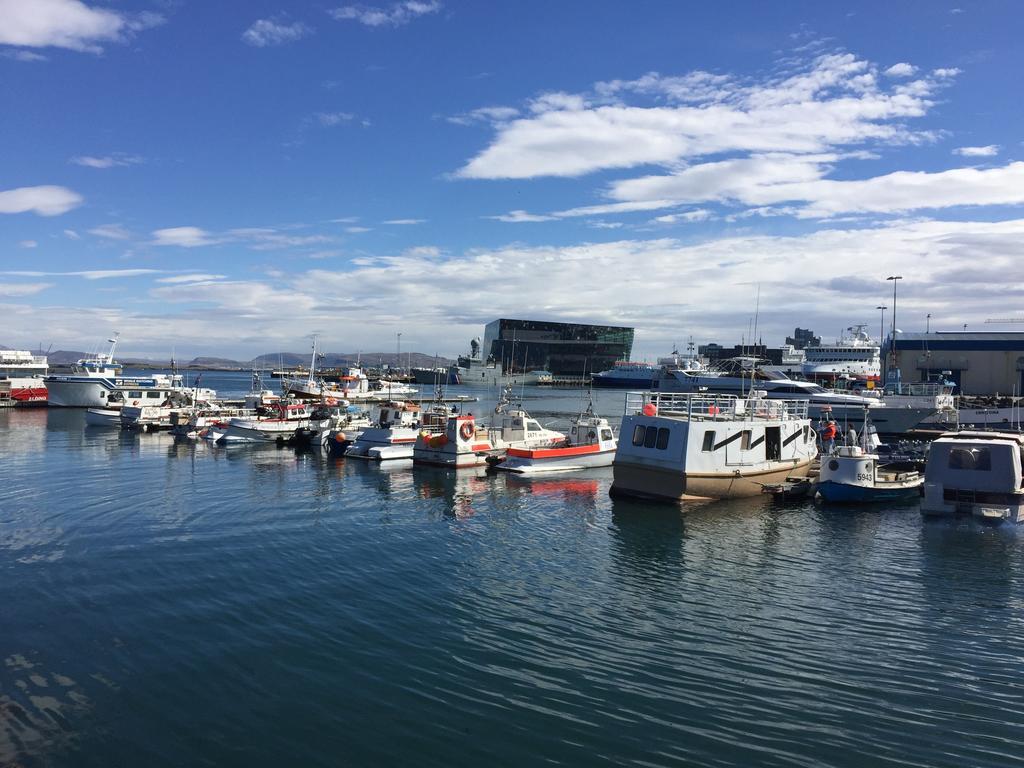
853 474
683 446
590 443
976 473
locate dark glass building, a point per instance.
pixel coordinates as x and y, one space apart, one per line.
564 349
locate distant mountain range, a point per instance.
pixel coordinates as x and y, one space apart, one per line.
269 361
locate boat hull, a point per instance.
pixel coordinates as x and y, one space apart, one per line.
557 460
656 483
103 417
259 432
844 493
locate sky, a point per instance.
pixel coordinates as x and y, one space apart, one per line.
229 178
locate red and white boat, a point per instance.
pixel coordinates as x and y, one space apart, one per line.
591 443
21 377
395 429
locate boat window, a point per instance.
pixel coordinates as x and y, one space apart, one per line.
517 423
745 440
651 437
807 433
638 434
136 393
709 440
606 434
533 426
976 459
662 439
153 395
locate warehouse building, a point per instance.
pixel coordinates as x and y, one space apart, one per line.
980 363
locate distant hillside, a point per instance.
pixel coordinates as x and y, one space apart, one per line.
269 361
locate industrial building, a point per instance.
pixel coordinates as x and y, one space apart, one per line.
980 363
564 349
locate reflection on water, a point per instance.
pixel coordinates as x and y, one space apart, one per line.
178 603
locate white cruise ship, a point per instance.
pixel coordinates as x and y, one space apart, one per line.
854 354
21 377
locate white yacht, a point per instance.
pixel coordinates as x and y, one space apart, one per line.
854 354
976 473
353 386
284 418
21 377
704 446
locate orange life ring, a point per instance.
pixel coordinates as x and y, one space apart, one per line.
714 410
330 401
135 402
466 430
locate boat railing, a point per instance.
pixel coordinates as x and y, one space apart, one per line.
713 407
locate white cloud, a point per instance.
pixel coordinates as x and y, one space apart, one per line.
330 119
394 15
70 234
358 230
193 278
108 161
28 56
405 222
88 274
485 114
267 32
699 214
46 200
901 70
987 151
111 232
520 217
11 290
185 237
836 101
68 24
28 244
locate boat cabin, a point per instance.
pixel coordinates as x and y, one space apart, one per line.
976 473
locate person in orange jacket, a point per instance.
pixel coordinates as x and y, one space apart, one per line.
828 437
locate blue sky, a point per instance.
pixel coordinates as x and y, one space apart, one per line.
227 178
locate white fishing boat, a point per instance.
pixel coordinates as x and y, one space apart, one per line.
681 446
854 354
467 443
976 473
395 429
285 418
590 443
96 382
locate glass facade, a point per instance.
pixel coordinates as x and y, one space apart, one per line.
564 349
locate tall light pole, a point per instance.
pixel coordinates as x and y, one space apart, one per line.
894 279
881 332
398 357
928 322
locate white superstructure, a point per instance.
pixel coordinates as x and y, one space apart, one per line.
21 376
854 354
976 473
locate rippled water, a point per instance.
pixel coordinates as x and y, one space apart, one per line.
180 604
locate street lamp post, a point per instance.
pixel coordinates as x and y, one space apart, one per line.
894 279
881 332
398 357
928 322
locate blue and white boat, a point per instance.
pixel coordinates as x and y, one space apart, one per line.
856 473
853 475
96 382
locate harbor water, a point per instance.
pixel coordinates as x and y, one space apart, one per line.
171 603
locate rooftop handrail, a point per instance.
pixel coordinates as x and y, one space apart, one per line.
711 406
